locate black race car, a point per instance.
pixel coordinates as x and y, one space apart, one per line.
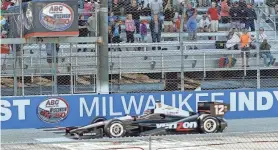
162 120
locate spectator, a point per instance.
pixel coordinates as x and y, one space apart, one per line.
224 13
204 24
5 4
134 10
242 13
262 35
270 8
251 17
245 46
88 8
129 28
190 11
83 30
116 9
144 31
110 36
116 32
146 11
192 25
265 47
156 28
91 25
233 39
235 16
156 7
242 3
169 15
214 17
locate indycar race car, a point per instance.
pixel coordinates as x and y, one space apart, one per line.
162 120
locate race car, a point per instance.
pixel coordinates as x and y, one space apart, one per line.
161 120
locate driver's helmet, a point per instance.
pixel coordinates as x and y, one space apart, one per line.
147 112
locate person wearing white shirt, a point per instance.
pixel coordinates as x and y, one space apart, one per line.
204 24
262 35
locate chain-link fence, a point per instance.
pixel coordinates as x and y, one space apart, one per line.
152 45
151 48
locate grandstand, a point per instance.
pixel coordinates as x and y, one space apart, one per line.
136 67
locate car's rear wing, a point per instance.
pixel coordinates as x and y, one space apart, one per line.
214 108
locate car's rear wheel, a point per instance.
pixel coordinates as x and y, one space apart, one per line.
115 128
209 124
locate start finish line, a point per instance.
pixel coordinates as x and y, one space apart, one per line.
78 110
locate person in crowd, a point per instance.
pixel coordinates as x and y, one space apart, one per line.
262 35
242 13
134 10
116 9
242 3
245 39
214 17
251 17
146 11
88 9
265 48
156 7
116 32
169 15
204 24
91 25
6 4
83 30
144 31
235 16
225 12
191 24
130 28
156 28
270 8
233 39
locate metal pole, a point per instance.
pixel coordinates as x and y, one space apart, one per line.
150 142
102 66
14 71
21 48
54 70
182 49
258 51
71 75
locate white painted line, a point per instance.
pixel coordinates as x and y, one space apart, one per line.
59 139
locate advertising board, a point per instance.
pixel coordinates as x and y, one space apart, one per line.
77 110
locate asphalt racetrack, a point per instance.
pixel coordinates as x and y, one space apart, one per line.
241 134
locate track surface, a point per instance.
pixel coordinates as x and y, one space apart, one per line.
241 134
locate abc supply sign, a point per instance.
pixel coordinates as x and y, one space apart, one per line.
53 110
56 16
76 110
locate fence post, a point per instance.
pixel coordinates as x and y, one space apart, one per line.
258 50
103 60
71 71
182 50
150 142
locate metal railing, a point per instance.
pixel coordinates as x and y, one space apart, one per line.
136 71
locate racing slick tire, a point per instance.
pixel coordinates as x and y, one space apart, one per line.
209 124
98 119
115 128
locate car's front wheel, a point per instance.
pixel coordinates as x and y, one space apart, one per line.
209 124
115 128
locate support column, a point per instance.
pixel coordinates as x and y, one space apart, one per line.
102 49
